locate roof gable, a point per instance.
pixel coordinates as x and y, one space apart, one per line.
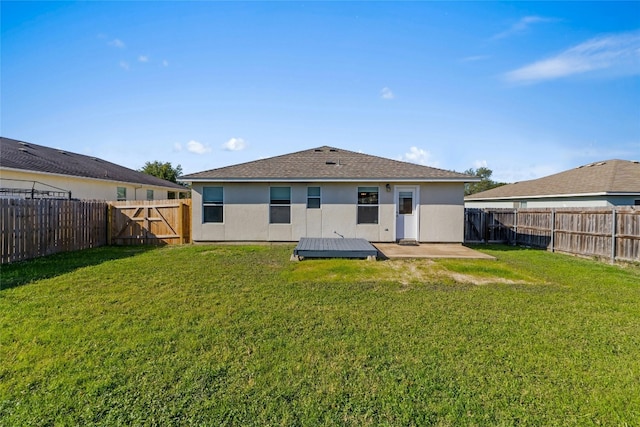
326 164
606 177
37 158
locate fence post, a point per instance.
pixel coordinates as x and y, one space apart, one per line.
613 236
515 227
109 223
553 228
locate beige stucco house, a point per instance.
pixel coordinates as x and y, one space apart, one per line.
35 171
600 184
327 192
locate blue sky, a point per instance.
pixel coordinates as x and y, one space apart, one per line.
527 89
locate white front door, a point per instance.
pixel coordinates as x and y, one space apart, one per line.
406 213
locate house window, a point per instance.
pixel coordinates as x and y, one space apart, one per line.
636 202
313 197
280 205
367 205
121 194
149 194
171 195
212 204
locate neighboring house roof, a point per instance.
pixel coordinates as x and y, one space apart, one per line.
30 157
327 164
609 177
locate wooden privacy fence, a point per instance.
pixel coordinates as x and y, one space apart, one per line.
33 228
156 222
612 233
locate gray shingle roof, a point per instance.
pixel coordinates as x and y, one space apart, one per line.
325 164
16 154
606 177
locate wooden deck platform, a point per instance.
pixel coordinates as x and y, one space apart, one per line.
312 247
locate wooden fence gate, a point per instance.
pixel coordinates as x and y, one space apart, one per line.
155 222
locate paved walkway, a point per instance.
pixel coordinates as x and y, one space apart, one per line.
430 250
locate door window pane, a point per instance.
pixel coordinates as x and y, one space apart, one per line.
405 202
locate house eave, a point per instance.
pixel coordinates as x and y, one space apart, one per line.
553 196
302 180
62 175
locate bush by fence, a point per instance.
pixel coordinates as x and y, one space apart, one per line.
602 232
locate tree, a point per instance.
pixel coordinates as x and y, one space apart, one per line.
486 183
162 170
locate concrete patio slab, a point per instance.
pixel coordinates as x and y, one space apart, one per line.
430 250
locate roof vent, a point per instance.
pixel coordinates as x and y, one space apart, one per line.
333 150
330 162
24 150
23 144
318 150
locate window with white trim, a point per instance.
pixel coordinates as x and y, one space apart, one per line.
313 197
280 205
149 194
212 204
121 194
368 205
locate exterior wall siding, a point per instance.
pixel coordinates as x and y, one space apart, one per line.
81 188
246 213
556 202
442 213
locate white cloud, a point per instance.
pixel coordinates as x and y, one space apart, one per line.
235 144
177 147
143 58
480 164
165 63
617 54
522 26
417 155
386 93
197 147
117 43
124 65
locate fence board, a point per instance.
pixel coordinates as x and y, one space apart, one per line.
602 232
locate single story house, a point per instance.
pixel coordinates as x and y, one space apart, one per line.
327 192
600 184
34 171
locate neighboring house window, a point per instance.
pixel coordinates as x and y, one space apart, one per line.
367 205
149 194
313 197
280 205
637 202
212 204
171 195
122 193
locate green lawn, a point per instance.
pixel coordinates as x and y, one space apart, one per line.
239 335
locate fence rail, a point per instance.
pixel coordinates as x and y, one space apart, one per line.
606 233
33 228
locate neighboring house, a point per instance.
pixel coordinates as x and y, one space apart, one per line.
34 171
600 184
327 192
